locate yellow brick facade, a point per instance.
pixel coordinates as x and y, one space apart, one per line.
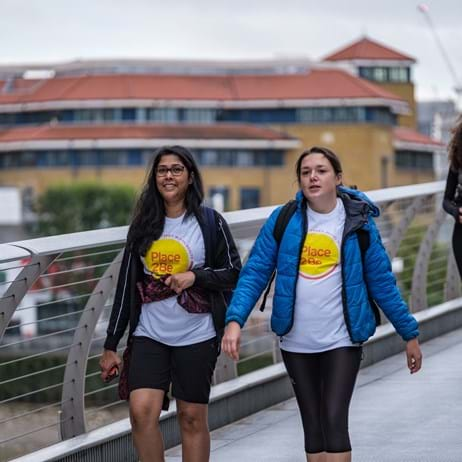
406 92
365 150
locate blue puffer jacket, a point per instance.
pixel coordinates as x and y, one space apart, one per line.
377 275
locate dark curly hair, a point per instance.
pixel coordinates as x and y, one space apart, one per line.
149 213
455 146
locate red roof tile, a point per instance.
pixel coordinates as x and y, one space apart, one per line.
87 132
408 135
317 84
367 49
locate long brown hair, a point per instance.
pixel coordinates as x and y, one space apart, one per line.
455 146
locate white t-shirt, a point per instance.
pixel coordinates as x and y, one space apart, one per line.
179 249
319 323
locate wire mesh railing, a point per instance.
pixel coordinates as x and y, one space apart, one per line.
57 292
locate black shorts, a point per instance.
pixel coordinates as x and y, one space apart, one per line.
189 369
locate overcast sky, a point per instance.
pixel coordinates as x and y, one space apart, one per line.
60 30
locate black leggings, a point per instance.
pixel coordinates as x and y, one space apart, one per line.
323 385
457 245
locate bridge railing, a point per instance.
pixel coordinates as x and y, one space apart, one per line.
57 292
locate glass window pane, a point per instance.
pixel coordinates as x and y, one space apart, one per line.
250 198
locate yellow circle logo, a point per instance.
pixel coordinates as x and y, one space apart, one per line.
320 256
167 256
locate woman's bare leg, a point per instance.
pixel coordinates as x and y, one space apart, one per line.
145 409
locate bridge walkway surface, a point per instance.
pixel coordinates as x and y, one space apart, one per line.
394 417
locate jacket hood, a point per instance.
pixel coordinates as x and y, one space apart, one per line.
357 198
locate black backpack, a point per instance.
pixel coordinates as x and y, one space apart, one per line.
280 226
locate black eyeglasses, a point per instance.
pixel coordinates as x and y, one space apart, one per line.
175 170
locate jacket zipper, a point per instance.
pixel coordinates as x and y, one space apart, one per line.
346 314
123 293
305 230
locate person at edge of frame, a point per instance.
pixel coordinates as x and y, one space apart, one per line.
452 202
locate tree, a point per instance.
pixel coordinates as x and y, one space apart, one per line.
83 206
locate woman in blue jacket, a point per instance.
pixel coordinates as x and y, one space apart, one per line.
321 308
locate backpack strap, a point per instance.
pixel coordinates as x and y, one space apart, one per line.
280 226
364 241
210 234
283 219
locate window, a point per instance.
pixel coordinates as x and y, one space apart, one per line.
381 115
219 198
386 74
113 157
83 115
250 198
414 160
380 74
244 159
199 115
129 113
8 160
141 114
366 73
270 158
109 115
163 115
399 74
85 157
209 157
52 159
28 159
134 157
331 114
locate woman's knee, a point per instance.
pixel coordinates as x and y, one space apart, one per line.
144 411
192 419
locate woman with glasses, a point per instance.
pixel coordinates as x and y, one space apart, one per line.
452 201
179 261
330 264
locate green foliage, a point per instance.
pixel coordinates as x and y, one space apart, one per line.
83 206
50 380
408 252
436 269
258 362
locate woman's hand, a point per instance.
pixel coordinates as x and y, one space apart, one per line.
108 361
414 355
180 281
232 340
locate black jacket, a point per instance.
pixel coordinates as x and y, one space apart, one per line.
450 204
219 275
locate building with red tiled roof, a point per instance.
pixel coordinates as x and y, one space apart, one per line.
407 138
154 135
417 155
246 123
318 87
366 49
385 66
